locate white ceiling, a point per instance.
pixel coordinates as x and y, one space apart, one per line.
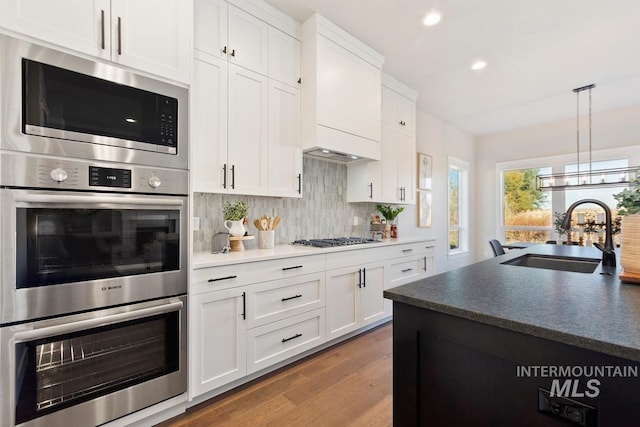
537 52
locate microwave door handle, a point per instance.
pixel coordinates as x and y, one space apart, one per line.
82 325
102 200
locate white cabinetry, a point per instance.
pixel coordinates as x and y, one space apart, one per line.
354 292
246 317
144 34
392 179
408 263
246 127
217 339
342 78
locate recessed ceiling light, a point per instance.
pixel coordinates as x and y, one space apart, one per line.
354 157
432 19
478 65
326 151
130 120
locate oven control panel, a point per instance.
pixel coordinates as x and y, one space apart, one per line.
18 170
109 177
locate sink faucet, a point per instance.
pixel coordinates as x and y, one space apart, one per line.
608 254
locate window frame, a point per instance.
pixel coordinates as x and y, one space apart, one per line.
463 206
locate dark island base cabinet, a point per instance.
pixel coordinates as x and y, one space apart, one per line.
452 371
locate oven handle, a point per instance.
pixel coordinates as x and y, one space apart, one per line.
81 325
67 199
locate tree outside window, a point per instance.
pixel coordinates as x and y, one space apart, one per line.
527 210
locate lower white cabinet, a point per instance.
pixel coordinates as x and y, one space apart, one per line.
354 298
218 339
280 340
247 317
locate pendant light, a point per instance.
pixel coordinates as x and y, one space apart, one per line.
587 178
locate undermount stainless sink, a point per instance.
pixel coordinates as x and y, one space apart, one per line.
561 263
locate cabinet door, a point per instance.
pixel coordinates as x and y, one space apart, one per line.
390 113
248 132
371 302
210 27
390 156
342 301
348 90
284 57
248 41
217 340
364 182
406 166
81 25
153 36
209 125
285 152
407 114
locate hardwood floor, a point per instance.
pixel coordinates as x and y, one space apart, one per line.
346 385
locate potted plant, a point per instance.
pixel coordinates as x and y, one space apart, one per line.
629 208
234 215
558 217
390 215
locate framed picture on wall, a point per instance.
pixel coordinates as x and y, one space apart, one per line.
424 208
425 169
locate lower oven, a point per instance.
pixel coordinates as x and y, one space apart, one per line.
90 368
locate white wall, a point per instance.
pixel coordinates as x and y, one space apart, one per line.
610 130
439 140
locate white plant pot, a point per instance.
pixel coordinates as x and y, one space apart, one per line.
236 228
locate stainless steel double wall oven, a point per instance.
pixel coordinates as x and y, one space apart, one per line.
93 239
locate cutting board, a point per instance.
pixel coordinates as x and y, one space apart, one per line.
630 278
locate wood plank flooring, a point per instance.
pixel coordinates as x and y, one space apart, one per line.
345 385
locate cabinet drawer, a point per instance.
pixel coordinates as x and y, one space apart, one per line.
410 249
280 340
214 278
406 270
279 299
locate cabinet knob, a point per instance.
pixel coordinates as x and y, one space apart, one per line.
233 52
300 80
224 49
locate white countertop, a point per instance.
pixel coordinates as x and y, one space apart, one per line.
206 259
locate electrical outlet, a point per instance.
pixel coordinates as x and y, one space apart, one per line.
356 220
568 410
196 223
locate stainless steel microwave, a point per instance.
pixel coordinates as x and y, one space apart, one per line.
63 105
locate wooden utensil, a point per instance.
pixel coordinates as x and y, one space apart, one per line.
264 223
256 224
276 221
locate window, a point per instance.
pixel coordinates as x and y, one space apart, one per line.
458 206
527 214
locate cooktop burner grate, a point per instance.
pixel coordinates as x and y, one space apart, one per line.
337 241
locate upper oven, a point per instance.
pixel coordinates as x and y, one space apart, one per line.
64 249
60 104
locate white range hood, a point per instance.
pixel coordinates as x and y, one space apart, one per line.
342 85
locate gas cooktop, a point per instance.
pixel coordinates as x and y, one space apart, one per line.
336 241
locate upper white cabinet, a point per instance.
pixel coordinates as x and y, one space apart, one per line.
393 178
248 42
144 34
342 82
284 58
245 130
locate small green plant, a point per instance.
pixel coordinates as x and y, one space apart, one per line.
558 217
628 199
388 212
236 211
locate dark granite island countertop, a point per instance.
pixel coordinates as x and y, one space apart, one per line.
593 311
467 344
